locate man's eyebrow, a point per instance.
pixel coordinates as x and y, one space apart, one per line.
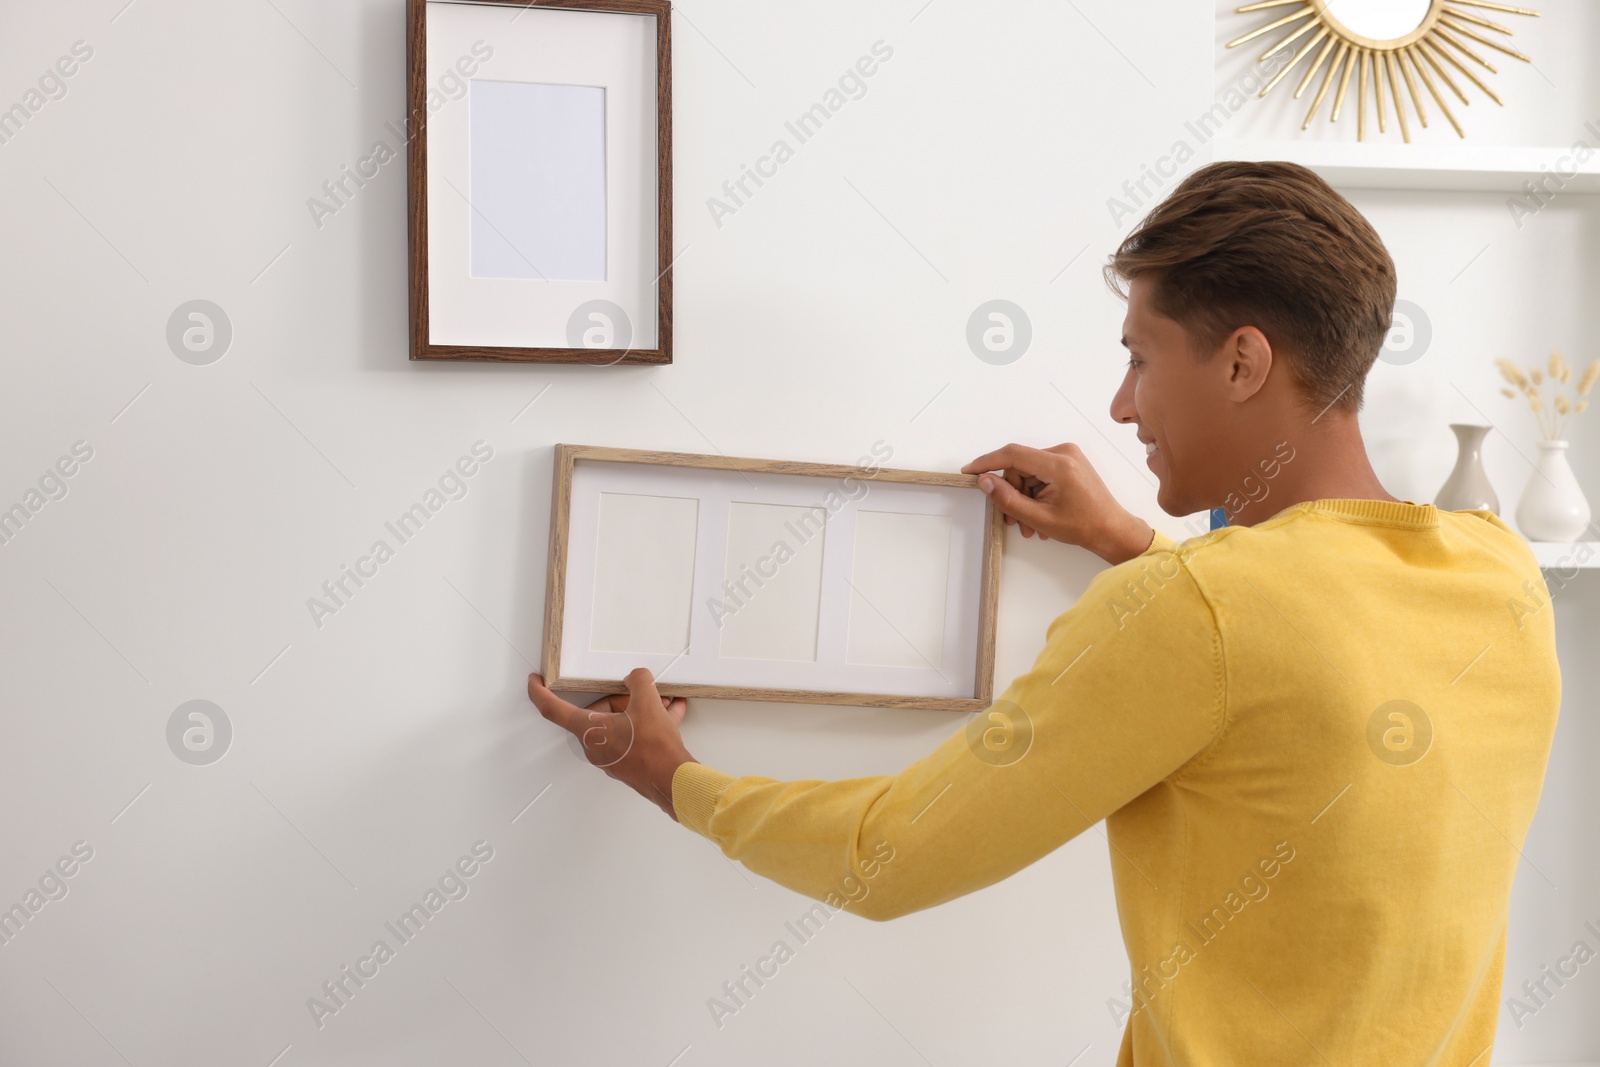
1125 343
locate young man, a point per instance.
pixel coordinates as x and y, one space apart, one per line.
1317 736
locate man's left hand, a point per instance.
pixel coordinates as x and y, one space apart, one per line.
632 736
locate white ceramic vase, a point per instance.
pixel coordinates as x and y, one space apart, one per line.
1553 507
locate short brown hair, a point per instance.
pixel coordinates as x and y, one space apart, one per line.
1269 245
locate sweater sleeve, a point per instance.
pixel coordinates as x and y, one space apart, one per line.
1129 687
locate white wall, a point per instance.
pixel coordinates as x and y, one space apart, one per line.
369 754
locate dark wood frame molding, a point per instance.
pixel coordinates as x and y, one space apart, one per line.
417 194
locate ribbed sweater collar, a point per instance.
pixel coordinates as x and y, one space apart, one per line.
1388 512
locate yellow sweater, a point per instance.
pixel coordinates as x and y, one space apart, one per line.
1317 744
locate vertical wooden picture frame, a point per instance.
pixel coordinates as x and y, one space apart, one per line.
540 180
586 651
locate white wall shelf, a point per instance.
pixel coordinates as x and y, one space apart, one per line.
1551 104
1555 555
1467 166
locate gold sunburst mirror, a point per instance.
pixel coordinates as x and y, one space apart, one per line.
1385 45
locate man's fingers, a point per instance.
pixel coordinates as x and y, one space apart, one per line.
1021 457
567 716
1014 504
583 722
614 702
641 687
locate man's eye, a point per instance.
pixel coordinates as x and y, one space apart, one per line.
1133 363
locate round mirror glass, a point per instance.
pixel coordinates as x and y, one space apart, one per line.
1381 20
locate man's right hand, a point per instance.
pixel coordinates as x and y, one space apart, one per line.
1056 493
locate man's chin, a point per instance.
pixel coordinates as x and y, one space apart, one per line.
1168 500
1179 504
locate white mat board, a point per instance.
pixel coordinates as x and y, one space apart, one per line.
898 579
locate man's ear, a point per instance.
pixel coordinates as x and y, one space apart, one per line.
1247 358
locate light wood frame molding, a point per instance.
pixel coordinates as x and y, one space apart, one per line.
417 195
566 458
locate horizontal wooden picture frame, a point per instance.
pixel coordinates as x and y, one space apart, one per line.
540 180
750 579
